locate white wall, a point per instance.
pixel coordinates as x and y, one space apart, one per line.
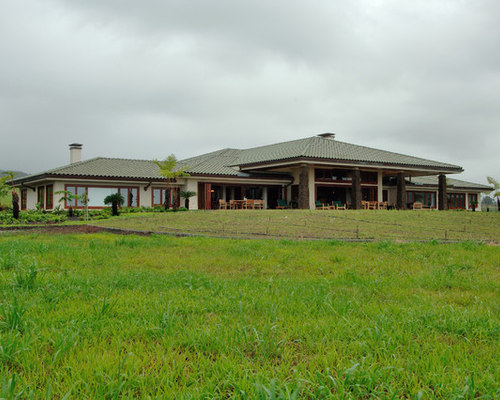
192 186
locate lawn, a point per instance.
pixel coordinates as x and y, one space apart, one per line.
298 224
106 316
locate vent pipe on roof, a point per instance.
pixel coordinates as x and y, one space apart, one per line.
75 152
327 135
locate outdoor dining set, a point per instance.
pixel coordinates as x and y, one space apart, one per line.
256 204
366 205
246 204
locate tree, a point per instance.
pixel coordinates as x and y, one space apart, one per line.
6 187
496 189
186 194
115 199
171 171
68 197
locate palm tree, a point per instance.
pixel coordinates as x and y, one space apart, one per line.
186 194
496 189
171 171
115 200
68 197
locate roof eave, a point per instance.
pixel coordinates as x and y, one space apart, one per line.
354 163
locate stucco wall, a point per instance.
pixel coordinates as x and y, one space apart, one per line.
191 186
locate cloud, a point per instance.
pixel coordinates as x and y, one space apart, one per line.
142 80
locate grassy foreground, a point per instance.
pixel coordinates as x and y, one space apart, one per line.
104 316
298 224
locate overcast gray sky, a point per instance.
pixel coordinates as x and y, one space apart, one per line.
143 79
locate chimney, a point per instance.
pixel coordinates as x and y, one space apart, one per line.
75 152
327 135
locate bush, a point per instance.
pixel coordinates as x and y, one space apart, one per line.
30 217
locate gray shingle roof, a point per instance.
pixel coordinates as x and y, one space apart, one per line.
316 147
225 162
451 182
215 163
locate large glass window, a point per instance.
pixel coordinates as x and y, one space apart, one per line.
80 191
332 175
428 199
96 195
72 191
129 196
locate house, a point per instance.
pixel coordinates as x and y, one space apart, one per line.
303 171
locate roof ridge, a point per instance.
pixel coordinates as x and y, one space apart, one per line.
309 143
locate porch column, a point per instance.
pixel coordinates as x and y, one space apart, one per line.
304 187
442 193
312 189
224 193
207 196
466 200
401 192
356 189
264 196
380 194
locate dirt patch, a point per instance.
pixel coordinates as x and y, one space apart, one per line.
59 229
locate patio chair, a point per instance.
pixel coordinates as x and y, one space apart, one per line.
223 205
383 205
322 206
418 206
258 204
364 205
249 204
338 205
282 205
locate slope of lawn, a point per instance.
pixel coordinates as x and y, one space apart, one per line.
105 316
352 224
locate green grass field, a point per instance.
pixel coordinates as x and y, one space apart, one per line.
298 224
106 316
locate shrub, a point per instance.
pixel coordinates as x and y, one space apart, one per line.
31 217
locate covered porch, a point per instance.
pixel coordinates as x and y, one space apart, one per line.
215 195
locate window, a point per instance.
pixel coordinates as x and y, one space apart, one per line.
456 201
473 200
40 198
368 177
49 196
24 199
158 196
71 190
129 196
97 194
80 191
332 175
428 199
